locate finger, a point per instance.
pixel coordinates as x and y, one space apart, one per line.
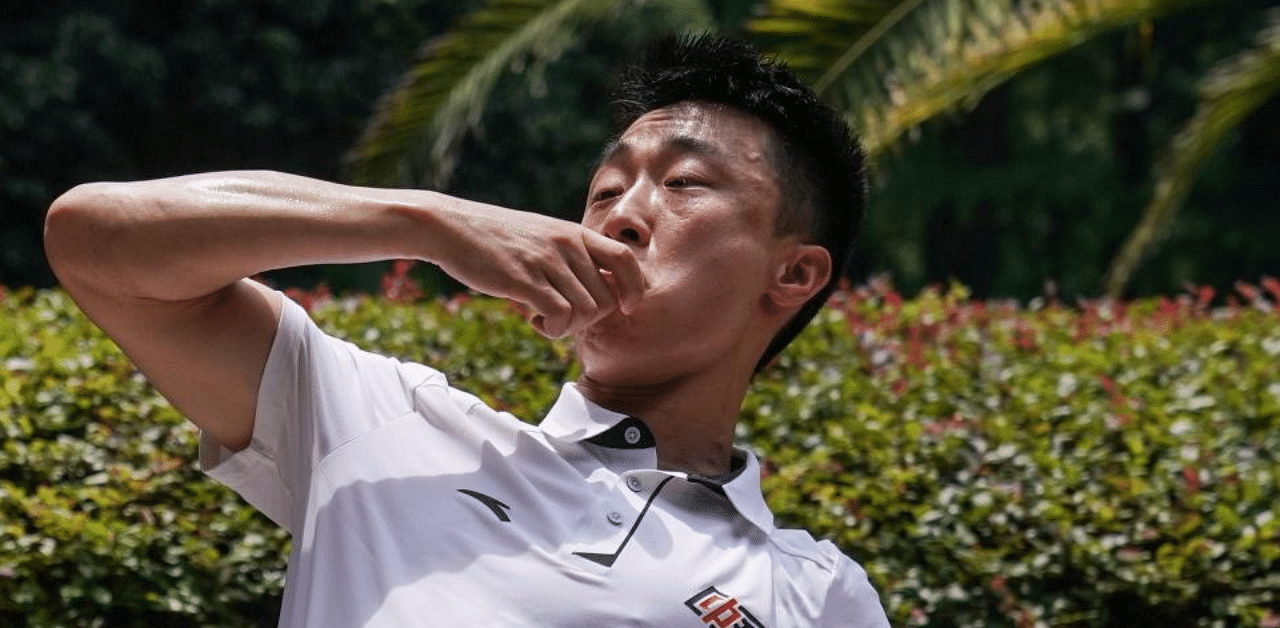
539 323
620 262
553 311
586 272
583 306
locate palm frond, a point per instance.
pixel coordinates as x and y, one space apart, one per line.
924 57
812 35
1233 89
417 129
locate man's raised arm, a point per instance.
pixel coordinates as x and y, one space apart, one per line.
160 266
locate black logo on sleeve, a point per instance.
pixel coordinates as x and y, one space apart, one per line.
499 509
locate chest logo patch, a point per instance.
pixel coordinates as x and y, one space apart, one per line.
721 611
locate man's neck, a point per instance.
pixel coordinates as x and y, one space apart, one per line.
692 419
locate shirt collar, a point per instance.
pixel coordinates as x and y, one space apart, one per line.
575 418
742 487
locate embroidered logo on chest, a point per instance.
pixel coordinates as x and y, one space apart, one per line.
721 611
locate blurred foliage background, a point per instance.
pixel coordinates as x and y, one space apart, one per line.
1101 465
1018 144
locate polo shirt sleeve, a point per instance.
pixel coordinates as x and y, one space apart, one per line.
317 393
851 601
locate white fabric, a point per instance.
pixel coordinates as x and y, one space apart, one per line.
364 459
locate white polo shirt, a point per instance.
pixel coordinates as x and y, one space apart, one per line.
412 503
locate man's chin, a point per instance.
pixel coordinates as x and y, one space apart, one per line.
618 375
608 361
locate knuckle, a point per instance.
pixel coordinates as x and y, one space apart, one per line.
557 307
617 250
544 257
564 240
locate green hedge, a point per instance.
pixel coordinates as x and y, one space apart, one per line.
990 464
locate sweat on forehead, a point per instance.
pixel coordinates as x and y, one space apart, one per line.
691 124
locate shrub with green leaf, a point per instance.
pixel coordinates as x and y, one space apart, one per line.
990 464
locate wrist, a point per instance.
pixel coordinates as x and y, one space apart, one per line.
423 225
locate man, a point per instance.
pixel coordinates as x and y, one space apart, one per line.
715 226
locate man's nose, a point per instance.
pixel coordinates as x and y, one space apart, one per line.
628 218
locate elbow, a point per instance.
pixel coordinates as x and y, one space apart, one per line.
77 231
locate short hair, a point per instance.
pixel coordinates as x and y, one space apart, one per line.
822 177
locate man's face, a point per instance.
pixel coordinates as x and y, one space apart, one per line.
692 189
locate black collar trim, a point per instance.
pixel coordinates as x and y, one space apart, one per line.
737 462
629 433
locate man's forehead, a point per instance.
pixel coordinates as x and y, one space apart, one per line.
675 141
701 128
695 117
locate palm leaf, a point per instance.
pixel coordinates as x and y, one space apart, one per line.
1231 90
811 34
924 57
417 129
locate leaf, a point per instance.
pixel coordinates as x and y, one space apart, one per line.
920 58
811 35
1231 91
418 128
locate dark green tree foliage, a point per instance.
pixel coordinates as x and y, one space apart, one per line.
137 89
540 140
1040 182
1106 465
1045 177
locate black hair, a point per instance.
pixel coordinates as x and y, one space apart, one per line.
822 175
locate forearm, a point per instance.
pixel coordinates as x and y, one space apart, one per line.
176 241
187 237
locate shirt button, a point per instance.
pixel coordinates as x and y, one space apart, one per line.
615 518
631 435
634 483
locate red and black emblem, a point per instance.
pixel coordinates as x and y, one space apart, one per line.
722 611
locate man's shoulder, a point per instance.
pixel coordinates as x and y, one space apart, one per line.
358 381
848 597
802 545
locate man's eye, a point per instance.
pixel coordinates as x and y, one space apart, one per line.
604 195
678 182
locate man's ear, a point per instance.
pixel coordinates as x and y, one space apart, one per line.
804 272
